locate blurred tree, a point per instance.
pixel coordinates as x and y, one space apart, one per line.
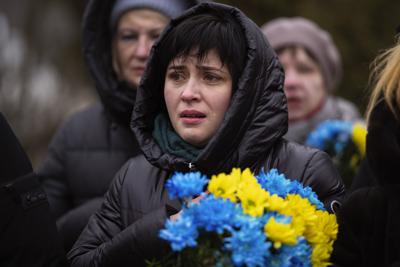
42 76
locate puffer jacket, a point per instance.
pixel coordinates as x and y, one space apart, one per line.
92 145
83 158
124 232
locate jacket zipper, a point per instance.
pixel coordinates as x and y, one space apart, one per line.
191 166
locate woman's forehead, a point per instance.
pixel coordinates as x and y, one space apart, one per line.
209 57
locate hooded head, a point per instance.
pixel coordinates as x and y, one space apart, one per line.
255 115
300 32
170 8
100 23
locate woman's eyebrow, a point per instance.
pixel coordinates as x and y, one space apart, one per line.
208 68
156 30
176 67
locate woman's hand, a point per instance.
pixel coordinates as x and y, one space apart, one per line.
194 201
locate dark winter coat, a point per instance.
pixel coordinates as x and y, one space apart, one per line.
28 234
369 220
124 231
383 149
93 144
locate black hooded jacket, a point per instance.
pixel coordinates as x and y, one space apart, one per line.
91 146
124 231
28 230
369 220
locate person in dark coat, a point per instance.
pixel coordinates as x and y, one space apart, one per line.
211 99
369 220
28 229
93 144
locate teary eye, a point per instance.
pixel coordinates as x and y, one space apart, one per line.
176 75
211 77
128 37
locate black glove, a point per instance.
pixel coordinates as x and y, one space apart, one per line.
13 160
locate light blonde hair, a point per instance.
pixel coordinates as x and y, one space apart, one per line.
386 80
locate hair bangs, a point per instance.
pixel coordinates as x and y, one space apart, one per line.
205 32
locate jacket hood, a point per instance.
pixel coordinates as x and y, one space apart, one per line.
117 97
254 121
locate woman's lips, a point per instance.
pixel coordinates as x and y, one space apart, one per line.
192 117
139 70
294 102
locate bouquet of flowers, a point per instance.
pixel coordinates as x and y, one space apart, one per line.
247 220
344 141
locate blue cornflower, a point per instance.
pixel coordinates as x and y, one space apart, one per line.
305 192
249 245
180 233
185 185
244 219
336 132
295 187
274 182
298 255
214 214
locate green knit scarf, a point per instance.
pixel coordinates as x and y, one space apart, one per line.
170 141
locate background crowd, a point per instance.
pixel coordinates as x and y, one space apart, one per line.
42 66
301 88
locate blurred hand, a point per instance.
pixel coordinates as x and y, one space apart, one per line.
194 201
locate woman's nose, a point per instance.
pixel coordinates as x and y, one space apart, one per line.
143 47
191 90
291 79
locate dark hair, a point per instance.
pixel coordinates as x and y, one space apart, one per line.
204 32
293 50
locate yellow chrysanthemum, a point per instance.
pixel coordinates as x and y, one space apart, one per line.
359 137
299 225
246 178
280 233
321 254
300 208
225 186
325 229
236 174
253 198
276 203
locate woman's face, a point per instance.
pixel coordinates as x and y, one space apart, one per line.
137 30
197 95
304 84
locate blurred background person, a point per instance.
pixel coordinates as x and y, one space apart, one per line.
28 230
93 144
312 66
369 220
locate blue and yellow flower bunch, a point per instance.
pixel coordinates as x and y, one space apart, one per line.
247 220
344 141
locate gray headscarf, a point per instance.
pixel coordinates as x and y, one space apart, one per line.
169 8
